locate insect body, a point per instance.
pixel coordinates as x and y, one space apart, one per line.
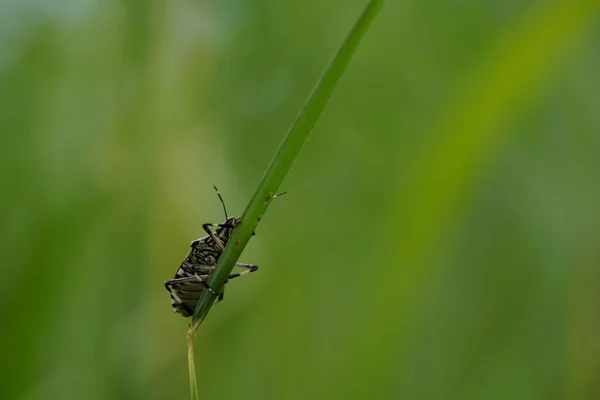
192 276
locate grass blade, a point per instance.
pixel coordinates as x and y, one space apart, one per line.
278 168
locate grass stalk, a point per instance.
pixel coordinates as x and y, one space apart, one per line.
192 365
287 153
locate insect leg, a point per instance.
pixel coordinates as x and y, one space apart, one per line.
249 268
195 277
252 267
176 298
168 285
212 234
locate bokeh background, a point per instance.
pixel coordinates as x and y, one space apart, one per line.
440 238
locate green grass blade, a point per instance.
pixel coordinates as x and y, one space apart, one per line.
192 366
288 151
279 167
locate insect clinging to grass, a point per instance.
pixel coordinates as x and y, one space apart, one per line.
192 276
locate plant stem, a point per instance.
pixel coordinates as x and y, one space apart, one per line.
192 365
279 167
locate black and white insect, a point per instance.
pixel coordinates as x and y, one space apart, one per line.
191 279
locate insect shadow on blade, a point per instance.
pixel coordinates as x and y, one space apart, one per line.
192 276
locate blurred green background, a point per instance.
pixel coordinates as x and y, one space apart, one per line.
440 238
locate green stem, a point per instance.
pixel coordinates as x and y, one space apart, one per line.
192 365
282 162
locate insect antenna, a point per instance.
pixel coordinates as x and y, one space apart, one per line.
222 202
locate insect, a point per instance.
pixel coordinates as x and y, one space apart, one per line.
191 278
